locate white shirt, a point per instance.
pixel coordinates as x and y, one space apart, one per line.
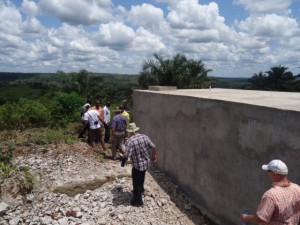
83 110
106 112
92 117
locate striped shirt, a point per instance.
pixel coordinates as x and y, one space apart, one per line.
138 149
280 205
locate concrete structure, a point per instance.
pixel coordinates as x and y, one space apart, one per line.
213 143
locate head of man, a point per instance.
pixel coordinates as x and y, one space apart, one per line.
107 103
277 170
131 129
121 108
97 104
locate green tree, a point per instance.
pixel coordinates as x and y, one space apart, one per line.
279 78
258 81
83 83
177 71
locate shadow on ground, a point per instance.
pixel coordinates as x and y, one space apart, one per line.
179 198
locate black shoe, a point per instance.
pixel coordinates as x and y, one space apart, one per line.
133 202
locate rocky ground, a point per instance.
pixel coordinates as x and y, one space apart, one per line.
75 185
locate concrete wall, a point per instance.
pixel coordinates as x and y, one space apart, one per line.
214 149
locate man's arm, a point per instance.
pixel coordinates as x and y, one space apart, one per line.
153 155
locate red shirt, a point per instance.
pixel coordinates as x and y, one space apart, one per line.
280 205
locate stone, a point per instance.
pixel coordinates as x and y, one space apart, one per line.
3 208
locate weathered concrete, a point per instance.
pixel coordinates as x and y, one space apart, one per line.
213 142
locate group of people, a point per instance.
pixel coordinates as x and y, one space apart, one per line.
279 205
138 147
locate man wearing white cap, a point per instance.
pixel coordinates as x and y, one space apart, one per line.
281 203
141 150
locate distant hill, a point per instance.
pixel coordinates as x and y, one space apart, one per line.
234 83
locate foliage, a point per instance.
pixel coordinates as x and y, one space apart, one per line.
23 114
64 108
28 182
177 71
278 78
6 156
51 137
40 136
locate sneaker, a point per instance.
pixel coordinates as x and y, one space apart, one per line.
133 202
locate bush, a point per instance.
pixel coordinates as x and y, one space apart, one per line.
23 114
65 108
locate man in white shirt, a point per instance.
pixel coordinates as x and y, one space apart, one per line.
106 112
92 119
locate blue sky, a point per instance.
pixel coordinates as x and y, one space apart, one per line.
234 38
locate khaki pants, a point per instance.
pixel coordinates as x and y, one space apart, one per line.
118 141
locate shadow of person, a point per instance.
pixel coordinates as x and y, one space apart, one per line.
120 197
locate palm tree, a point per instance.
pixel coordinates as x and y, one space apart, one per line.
177 71
280 79
258 81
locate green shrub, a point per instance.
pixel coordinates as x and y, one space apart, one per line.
65 108
23 114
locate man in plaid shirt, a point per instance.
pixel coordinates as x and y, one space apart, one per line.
141 150
281 203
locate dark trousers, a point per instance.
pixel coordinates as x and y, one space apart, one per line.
138 179
83 131
107 133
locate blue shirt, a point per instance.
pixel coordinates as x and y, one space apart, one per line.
119 122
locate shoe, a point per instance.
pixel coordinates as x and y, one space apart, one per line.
133 202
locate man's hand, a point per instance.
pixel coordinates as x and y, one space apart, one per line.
154 158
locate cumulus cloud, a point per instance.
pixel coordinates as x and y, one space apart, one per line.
190 14
83 12
116 35
30 8
146 41
270 25
265 6
147 16
11 19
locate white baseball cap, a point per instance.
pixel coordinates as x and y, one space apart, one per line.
277 166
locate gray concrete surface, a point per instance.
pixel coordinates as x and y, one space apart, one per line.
213 143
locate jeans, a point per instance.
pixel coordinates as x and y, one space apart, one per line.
107 133
138 179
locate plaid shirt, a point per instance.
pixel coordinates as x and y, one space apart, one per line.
280 205
138 149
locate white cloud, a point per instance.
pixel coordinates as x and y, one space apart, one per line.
83 12
189 14
116 35
270 25
30 8
11 19
265 6
32 25
146 41
146 16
